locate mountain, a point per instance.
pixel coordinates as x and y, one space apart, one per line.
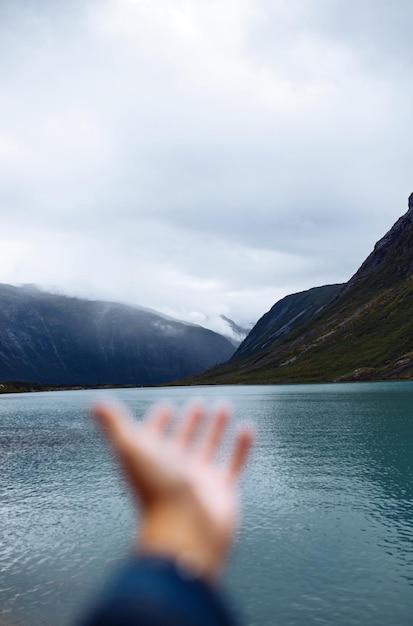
50 338
284 316
238 333
364 333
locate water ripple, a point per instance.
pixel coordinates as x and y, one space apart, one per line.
328 514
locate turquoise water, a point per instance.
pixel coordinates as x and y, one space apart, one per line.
327 531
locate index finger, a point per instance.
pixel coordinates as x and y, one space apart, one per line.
114 420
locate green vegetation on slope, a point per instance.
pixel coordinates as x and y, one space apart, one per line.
366 333
286 315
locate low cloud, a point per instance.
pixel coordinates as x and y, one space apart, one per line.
200 158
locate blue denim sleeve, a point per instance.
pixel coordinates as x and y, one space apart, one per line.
152 591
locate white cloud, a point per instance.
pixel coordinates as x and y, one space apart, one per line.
200 157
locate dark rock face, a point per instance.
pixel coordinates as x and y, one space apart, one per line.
57 339
284 316
392 257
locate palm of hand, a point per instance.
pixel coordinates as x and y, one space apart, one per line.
189 503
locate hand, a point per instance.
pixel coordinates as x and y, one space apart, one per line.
188 502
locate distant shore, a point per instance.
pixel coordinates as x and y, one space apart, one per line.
17 386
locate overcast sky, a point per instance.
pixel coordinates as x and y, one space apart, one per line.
201 157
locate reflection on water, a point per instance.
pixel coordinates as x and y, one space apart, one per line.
328 514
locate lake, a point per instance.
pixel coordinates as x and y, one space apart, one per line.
327 529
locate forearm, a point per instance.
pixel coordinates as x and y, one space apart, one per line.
188 516
153 591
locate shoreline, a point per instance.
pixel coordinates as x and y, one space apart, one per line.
11 387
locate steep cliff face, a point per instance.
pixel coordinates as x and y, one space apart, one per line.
284 316
57 339
391 260
365 333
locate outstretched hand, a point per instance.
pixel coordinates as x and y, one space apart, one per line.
188 502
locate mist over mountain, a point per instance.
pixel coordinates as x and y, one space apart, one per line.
237 333
362 330
50 338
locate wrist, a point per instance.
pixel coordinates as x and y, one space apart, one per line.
166 532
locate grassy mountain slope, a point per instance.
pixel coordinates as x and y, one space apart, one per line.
365 333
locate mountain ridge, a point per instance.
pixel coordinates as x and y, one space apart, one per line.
50 338
364 333
284 316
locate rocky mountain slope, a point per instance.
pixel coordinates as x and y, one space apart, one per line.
57 339
365 333
284 316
